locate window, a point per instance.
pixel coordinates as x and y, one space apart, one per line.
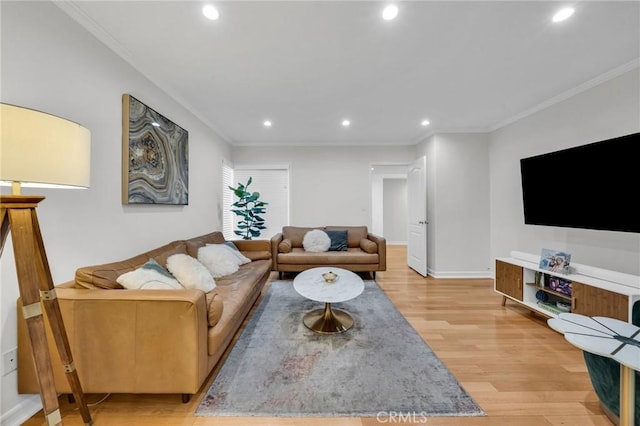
272 182
227 200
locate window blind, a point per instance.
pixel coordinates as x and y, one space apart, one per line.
227 200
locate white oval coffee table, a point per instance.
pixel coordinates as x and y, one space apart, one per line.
311 285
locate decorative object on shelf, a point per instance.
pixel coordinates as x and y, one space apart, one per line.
249 208
29 142
542 296
155 156
560 285
330 276
555 261
539 278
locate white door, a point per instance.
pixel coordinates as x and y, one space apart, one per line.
417 206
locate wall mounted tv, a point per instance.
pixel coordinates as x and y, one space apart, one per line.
593 186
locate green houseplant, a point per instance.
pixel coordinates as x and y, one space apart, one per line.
248 208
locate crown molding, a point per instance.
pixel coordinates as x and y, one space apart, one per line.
609 75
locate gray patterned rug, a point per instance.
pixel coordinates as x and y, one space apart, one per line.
278 367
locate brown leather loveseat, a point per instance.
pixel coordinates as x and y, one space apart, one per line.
365 252
147 341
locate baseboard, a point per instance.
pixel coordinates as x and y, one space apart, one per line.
26 408
459 274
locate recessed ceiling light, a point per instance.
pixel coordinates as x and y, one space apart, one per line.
267 123
210 12
425 123
563 14
154 124
346 123
390 12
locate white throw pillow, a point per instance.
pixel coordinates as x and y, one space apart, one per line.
218 259
242 259
150 276
190 273
316 241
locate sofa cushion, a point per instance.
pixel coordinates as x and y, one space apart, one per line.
295 234
316 241
351 256
284 246
104 276
150 276
190 273
215 307
193 244
236 290
354 234
257 255
368 246
338 240
162 257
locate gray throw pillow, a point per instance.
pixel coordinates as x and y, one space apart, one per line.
338 240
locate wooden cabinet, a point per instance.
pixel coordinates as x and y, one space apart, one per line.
597 302
587 290
509 279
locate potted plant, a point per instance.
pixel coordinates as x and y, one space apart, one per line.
248 208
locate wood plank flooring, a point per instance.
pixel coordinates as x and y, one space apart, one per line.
513 365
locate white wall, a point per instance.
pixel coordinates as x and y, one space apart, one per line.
395 223
51 64
380 172
457 204
329 185
608 110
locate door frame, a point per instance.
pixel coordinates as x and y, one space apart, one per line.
376 193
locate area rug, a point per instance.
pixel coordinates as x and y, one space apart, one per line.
278 367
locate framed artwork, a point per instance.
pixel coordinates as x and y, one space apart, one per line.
155 156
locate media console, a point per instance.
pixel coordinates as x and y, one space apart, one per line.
592 291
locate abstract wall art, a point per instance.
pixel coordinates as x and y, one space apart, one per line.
155 156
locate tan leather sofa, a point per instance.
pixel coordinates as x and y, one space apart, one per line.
147 341
365 252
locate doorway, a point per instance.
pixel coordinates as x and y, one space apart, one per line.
389 199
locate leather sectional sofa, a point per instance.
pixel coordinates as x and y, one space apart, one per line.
365 252
147 341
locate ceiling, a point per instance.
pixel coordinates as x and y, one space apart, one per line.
307 65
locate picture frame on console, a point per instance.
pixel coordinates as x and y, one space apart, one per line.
155 156
555 261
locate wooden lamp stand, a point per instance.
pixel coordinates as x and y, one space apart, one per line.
18 214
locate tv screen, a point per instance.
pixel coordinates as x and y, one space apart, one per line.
593 186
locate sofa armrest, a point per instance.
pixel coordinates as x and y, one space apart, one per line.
275 241
382 250
255 249
129 341
253 245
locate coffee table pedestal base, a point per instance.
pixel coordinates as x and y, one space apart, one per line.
328 321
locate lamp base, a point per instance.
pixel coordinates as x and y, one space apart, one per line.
18 213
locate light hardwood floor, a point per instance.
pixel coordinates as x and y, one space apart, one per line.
512 364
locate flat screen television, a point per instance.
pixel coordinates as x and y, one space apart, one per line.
593 186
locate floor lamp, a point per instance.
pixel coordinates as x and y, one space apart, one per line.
40 150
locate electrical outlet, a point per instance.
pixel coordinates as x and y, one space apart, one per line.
9 361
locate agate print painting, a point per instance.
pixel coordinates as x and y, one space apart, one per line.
155 157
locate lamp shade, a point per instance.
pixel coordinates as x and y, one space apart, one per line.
42 150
